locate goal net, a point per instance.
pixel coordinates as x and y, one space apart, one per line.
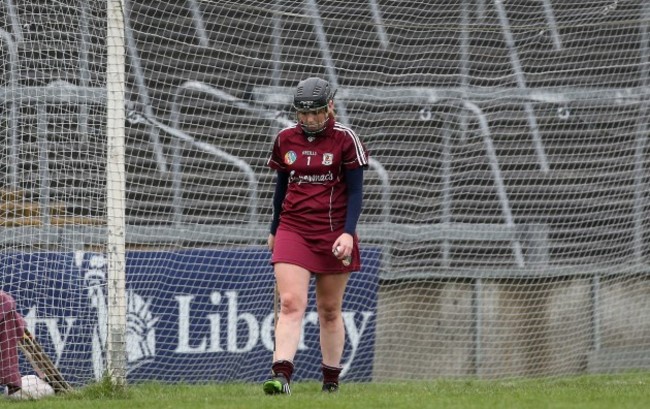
505 228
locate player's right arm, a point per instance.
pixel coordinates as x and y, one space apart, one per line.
281 184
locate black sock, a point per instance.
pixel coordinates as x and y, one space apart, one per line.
283 368
330 374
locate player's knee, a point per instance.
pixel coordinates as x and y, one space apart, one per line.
293 305
329 314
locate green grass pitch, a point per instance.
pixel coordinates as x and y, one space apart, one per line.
630 390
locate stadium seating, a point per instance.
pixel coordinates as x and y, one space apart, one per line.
238 58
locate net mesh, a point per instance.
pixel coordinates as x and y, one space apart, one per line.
505 207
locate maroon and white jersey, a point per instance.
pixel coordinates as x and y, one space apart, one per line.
316 198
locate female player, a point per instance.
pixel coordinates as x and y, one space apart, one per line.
316 206
12 326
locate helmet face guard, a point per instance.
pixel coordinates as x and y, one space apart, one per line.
312 130
311 96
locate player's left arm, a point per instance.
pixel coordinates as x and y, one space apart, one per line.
355 160
345 242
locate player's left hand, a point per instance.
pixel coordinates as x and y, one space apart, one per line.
343 246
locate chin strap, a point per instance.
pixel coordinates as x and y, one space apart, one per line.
314 133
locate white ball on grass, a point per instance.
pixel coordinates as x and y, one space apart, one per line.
33 388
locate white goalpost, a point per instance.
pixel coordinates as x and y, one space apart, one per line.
116 355
505 221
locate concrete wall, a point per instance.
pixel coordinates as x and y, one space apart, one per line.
496 328
424 330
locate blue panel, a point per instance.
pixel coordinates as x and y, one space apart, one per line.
193 315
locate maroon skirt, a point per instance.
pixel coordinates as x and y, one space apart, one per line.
312 253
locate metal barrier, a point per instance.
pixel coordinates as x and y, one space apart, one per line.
521 83
55 93
180 136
